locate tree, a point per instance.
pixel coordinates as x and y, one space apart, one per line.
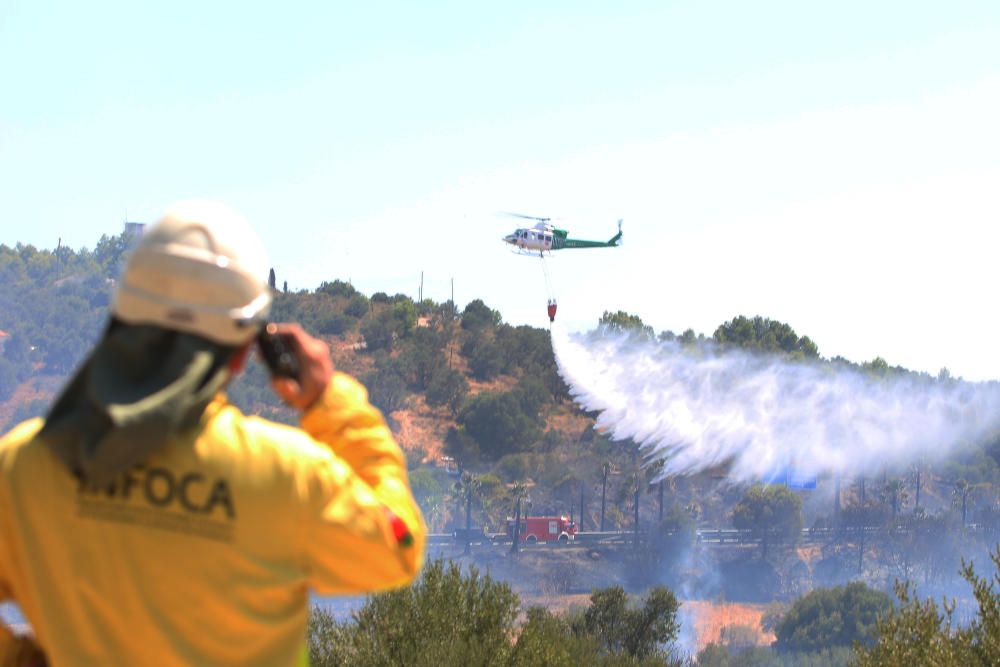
422 357
461 447
338 288
357 307
621 322
769 512
445 618
895 493
518 492
404 316
379 332
960 493
500 424
478 316
447 387
919 632
272 280
485 360
469 490
386 386
828 617
547 639
636 631
765 335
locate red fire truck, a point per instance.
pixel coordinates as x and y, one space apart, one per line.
543 529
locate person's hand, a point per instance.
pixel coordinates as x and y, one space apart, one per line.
316 368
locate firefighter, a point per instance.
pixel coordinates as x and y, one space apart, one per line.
146 520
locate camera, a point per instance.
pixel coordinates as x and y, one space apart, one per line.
278 352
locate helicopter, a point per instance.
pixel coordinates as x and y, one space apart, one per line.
544 237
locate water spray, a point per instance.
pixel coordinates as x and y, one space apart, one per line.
697 407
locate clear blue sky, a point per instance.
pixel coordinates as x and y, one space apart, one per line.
834 166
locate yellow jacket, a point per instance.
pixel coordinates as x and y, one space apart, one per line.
206 554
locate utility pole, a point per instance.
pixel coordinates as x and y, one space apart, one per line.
580 526
420 294
659 517
836 501
517 526
604 491
635 502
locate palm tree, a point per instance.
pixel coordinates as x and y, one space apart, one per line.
468 488
895 490
635 488
518 490
605 471
961 494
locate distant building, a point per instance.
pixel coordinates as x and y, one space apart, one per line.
136 228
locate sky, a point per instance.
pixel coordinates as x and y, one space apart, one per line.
834 166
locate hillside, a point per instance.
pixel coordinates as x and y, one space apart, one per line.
463 384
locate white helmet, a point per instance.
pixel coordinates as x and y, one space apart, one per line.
201 269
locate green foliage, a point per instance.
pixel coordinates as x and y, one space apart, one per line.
485 360
547 639
422 357
828 617
621 322
54 305
386 385
447 387
765 335
445 618
338 288
404 315
718 655
334 324
453 618
923 633
428 486
461 447
478 316
636 631
357 307
771 512
379 332
877 367
500 423
327 639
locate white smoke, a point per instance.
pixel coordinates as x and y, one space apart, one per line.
699 407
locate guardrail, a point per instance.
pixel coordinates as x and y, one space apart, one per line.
712 536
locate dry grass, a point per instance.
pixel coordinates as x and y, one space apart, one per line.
422 427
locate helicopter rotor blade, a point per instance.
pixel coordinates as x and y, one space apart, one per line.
526 217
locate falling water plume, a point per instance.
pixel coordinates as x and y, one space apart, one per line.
696 407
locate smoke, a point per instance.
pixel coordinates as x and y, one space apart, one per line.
698 407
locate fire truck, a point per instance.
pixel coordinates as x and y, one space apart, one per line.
544 529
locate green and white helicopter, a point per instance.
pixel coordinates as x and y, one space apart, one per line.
544 237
